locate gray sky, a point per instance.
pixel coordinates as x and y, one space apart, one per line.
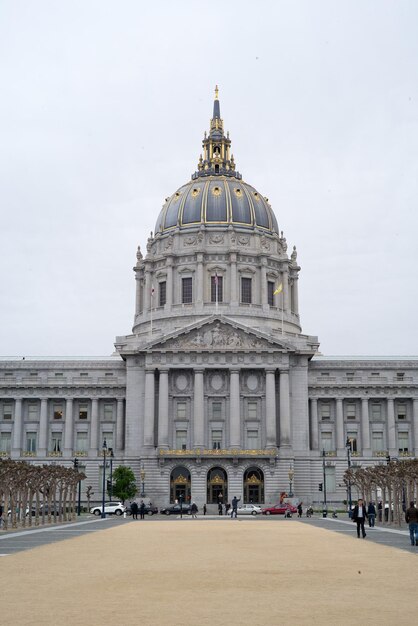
102 111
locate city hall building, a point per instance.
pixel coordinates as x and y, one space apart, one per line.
216 392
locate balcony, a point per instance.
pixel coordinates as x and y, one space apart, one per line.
208 452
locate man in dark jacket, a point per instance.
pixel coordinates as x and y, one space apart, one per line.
134 510
142 510
411 518
235 501
359 516
371 514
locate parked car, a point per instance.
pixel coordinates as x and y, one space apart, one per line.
111 508
150 509
280 509
174 509
249 509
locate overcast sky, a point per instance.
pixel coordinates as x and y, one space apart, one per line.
102 112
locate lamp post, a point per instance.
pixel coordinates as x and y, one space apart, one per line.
111 473
348 448
324 510
104 479
142 475
79 487
181 505
291 474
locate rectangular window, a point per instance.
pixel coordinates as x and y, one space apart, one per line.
7 411
58 411
33 374
252 410
5 442
326 441
352 438
187 290
350 375
181 439
33 412
108 437
109 374
270 293
253 442
400 375
325 410
403 442
351 411
84 374
81 442
330 479
108 411
59 374
376 411
181 410
8 374
216 439
401 411
216 288
377 441
246 296
162 293
375 374
83 412
325 374
217 410
56 442
30 442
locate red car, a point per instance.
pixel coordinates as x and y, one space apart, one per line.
280 509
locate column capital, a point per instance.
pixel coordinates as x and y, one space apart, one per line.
270 370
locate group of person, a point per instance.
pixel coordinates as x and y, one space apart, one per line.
135 509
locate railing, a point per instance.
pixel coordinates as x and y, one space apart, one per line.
210 452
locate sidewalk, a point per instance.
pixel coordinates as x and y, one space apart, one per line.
171 574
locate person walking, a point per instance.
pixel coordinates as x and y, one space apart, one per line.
234 512
220 508
142 510
194 510
134 510
411 518
300 509
371 513
359 516
204 509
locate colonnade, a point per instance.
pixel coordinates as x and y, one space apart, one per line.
198 403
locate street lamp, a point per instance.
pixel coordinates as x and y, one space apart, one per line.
291 474
348 448
79 487
324 478
111 473
142 475
181 505
104 479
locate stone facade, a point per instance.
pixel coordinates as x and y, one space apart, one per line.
217 392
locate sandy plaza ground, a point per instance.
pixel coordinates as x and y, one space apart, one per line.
209 572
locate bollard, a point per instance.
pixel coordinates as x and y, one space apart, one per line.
124 515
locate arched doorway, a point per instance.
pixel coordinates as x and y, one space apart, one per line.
180 484
253 486
217 486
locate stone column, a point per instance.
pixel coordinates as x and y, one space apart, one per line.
43 428
365 427
415 422
339 426
68 429
295 295
17 429
314 424
285 436
234 279
198 410
391 426
94 427
119 426
147 291
163 410
286 298
138 278
263 283
149 408
169 293
199 280
270 409
234 409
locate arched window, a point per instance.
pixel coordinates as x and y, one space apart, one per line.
180 484
253 486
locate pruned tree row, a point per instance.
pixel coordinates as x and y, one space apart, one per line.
37 494
394 484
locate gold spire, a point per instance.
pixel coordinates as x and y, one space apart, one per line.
216 92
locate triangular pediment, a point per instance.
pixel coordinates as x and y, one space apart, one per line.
220 334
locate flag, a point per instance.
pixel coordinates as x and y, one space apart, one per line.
278 290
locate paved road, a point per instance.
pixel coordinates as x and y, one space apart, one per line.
20 540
